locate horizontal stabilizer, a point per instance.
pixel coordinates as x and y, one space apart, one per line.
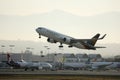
100 47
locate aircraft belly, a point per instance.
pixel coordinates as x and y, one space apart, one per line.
78 45
60 39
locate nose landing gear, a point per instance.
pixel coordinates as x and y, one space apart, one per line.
39 36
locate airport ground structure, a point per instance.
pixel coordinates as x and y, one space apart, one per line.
52 57
56 59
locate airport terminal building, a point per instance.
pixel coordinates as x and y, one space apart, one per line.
52 57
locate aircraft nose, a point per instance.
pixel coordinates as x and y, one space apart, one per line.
37 30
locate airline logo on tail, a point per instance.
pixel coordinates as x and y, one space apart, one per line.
54 37
11 62
27 65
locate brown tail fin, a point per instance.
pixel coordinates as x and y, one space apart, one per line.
8 57
94 39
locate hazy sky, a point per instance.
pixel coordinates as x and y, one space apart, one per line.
79 7
76 7
16 23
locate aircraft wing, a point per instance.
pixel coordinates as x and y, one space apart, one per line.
89 43
78 40
84 42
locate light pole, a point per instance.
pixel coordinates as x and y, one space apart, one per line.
48 53
11 48
2 46
63 58
32 50
41 53
29 49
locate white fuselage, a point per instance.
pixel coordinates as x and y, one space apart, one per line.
75 64
37 65
100 65
58 37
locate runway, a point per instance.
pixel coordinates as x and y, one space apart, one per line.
60 72
64 74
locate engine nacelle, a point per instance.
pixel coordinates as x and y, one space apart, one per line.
51 40
67 40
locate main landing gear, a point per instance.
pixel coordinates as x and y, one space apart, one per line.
39 36
70 46
61 46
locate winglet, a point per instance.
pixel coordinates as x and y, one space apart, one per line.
102 37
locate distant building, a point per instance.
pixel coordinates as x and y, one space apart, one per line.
58 57
83 57
95 57
16 56
3 57
70 58
52 57
117 58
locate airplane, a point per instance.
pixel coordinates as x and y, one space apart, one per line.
88 65
75 65
99 65
115 65
54 37
28 65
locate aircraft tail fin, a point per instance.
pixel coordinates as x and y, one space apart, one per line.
94 39
8 57
11 63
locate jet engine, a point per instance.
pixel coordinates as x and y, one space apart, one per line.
67 40
51 40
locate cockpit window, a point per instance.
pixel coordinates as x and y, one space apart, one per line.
39 28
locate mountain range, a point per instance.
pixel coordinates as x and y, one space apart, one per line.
13 27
